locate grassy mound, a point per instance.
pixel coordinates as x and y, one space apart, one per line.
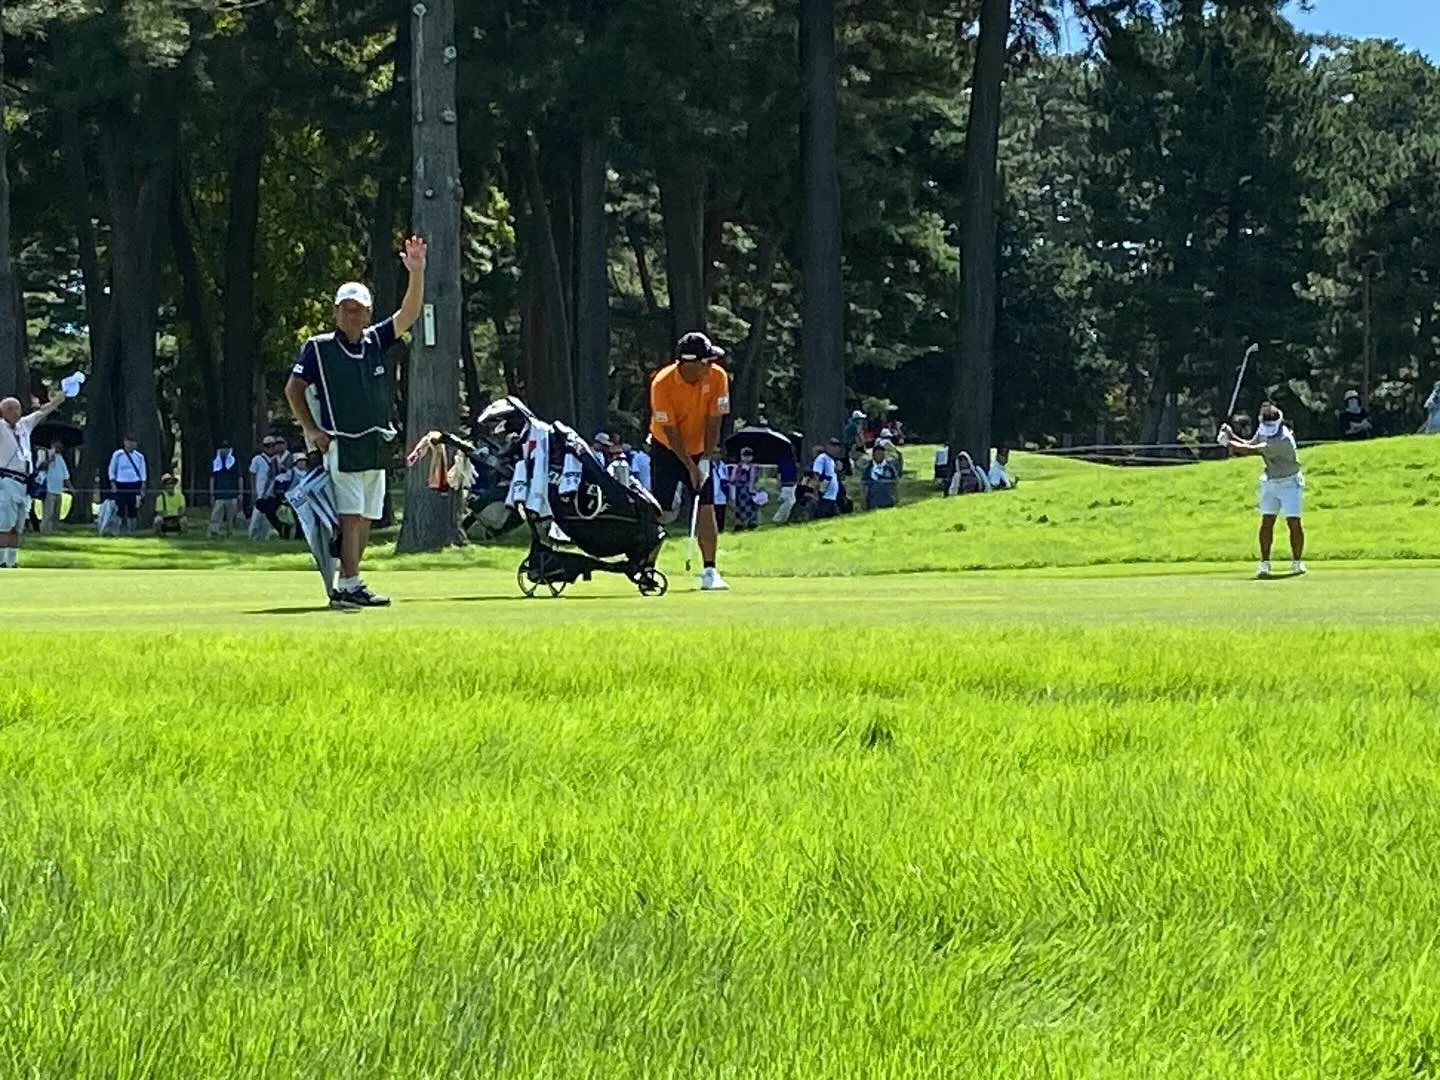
1371 501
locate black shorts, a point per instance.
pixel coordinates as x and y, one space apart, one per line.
127 498
668 472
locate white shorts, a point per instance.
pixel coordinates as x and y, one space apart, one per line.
14 504
361 494
1281 497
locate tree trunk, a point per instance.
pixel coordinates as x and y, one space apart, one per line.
14 379
642 267
972 395
822 335
550 379
77 204
512 360
437 198
750 372
195 309
682 204
592 293
137 214
1230 328
475 398
1153 417
240 360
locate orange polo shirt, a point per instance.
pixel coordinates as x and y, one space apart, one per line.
687 406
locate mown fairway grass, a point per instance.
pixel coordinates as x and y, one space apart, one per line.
1115 821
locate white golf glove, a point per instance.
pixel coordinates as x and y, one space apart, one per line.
704 466
1223 439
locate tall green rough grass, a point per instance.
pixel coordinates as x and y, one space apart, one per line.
729 848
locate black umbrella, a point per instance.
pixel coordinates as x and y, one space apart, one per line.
769 446
52 431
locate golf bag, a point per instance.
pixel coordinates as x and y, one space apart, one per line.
582 519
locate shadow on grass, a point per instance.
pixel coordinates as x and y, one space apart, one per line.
542 598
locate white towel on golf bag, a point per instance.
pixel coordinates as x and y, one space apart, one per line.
530 486
570 475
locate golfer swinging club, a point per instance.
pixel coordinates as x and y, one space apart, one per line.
688 400
339 391
1280 484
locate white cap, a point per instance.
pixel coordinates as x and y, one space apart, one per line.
353 290
857 415
602 439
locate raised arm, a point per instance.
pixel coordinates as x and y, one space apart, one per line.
410 307
57 398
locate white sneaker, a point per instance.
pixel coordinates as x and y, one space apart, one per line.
1263 570
711 581
1297 567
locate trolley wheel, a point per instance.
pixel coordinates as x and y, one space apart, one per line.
652 582
528 587
556 587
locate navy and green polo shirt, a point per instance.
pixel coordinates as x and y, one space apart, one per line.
349 391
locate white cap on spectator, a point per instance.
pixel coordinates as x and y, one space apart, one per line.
353 290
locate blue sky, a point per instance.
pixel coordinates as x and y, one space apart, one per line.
1414 23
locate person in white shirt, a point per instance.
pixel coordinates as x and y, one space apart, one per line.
127 474
57 475
640 466
999 476
942 467
262 483
17 463
827 472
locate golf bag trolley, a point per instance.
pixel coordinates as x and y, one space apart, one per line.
582 520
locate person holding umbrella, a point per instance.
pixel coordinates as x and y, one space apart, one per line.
340 394
689 399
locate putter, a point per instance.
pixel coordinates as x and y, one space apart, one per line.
1251 351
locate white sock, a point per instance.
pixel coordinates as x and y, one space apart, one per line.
349 582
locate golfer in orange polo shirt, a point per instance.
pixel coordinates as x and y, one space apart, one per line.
688 399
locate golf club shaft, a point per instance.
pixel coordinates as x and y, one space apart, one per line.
694 523
1234 397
